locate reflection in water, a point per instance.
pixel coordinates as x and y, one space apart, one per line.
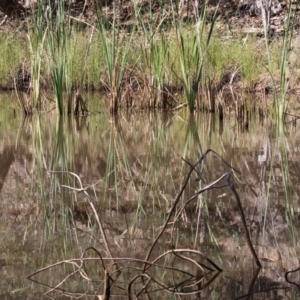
7 158
132 167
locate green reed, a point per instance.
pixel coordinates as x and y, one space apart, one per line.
58 32
36 45
115 53
156 54
116 47
193 55
279 101
289 28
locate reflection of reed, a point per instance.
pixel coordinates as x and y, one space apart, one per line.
148 143
25 102
80 123
189 281
79 102
192 139
207 187
61 158
7 158
60 151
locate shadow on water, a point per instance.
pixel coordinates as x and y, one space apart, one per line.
132 169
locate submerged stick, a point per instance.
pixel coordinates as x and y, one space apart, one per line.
172 208
106 289
199 177
208 187
180 253
231 186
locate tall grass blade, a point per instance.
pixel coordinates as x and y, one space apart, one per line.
192 57
58 34
116 57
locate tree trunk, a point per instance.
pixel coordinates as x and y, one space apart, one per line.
11 8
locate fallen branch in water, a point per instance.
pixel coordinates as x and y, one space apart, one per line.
141 281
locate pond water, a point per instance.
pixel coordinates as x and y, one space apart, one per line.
132 169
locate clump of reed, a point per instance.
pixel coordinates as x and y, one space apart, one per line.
116 48
58 32
279 100
155 50
135 62
36 43
192 56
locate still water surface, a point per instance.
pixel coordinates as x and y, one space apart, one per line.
132 168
